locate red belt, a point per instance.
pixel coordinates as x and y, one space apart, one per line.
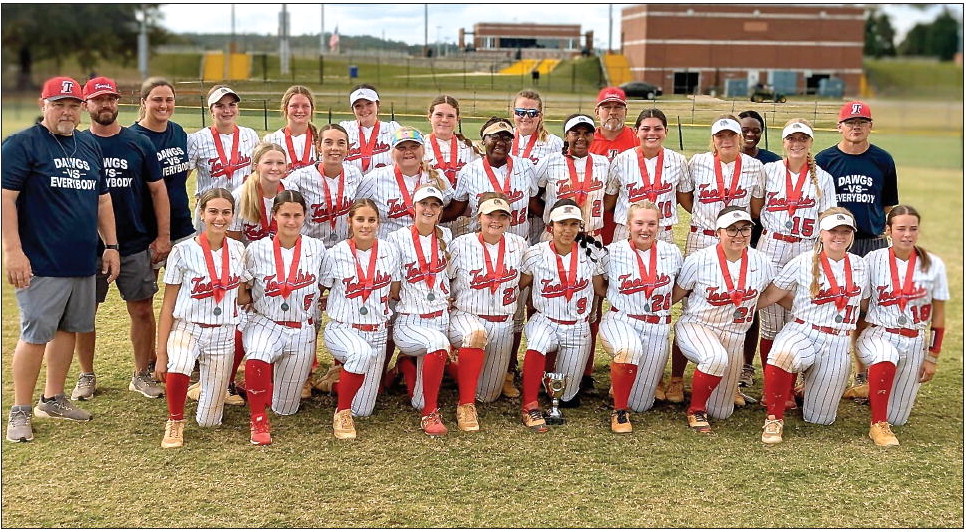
367 327
496 319
826 330
207 325
562 322
293 324
647 318
784 238
436 314
694 229
908 333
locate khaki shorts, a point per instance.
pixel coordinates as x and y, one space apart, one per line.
136 282
52 304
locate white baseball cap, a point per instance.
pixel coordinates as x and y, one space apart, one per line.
577 120
797 127
363 94
497 127
831 222
220 93
427 192
725 124
566 212
494 204
730 218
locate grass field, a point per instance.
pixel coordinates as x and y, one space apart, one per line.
112 473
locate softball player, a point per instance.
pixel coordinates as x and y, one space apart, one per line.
640 271
565 277
204 282
532 141
422 323
448 150
280 335
830 287
328 186
392 187
723 283
908 293
299 136
370 139
255 197
752 126
221 154
359 273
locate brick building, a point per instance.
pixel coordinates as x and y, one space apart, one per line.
700 47
501 36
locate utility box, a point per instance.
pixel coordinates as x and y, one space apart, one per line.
736 88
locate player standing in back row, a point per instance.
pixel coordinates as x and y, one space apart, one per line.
370 139
299 136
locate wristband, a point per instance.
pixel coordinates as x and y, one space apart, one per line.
115 247
937 339
932 359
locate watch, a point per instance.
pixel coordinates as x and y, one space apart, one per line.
111 246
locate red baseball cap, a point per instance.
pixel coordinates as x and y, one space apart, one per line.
611 94
855 109
61 87
99 87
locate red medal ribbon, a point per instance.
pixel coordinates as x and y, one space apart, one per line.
366 147
228 164
569 279
217 284
491 272
269 227
906 289
333 202
648 276
407 196
581 188
425 268
742 274
368 280
497 187
306 152
727 193
526 151
448 167
842 299
650 187
794 194
285 283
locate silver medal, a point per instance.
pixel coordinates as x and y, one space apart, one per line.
647 307
430 296
284 307
839 318
217 311
332 237
737 313
789 224
902 320
363 311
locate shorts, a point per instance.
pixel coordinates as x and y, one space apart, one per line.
52 304
137 281
158 265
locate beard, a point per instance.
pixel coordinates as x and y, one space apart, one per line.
65 128
612 124
105 118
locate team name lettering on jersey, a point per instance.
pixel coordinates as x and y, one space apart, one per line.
549 289
414 275
356 153
630 284
355 289
323 213
227 170
826 295
201 289
397 208
889 297
302 279
720 299
708 194
565 189
775 203
480 282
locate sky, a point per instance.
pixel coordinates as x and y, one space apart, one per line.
405 22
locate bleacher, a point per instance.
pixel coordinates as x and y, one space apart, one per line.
526 66
617 67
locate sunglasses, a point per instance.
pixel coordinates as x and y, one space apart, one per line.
521 112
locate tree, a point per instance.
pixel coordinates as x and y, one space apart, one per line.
90 32
880 36
939 38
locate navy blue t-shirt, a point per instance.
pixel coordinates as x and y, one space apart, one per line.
766 156
171 147
864 184
60 181
129 165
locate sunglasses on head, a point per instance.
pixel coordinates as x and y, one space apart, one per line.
521 112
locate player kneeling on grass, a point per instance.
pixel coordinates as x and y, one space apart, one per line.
640 272
722 283
565 274
359 273
204 283
280 336
829 287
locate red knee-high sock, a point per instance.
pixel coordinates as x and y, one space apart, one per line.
622 376
349 384
881 377
702 385
407 366
764 350
433 366
589 368
678 361
533 364
239 355
468 372
777 384
258 384
176 392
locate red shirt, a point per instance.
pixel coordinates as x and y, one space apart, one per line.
626 140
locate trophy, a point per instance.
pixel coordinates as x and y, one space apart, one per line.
555 384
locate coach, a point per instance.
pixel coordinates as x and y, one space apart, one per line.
55 201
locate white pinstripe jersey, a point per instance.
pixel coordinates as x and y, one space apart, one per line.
625 289
626 182
708 200
542 149
472 286
322 209
345 298
298 144
381 187
796 277
804 224
709 302
884 303
196 302
251 231
464 155
381 151
548 291
266 287
473 182
558 184
412 286
210 171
